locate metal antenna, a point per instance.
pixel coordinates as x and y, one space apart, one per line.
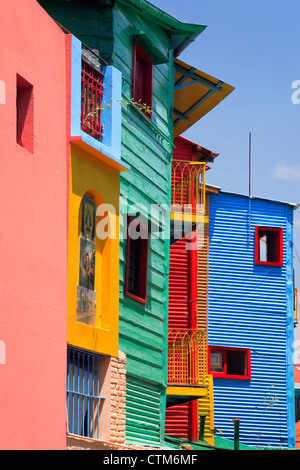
249 164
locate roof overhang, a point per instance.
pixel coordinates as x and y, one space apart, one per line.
195 94
203 154
181 34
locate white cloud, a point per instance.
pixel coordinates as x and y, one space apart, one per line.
287 173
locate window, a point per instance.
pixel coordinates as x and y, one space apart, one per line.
83 388
24 104
231 363
269 246
142 77
86 295
91 99
2 92
136 261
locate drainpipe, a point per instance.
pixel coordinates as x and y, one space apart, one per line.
236 433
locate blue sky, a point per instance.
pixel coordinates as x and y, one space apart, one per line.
255 47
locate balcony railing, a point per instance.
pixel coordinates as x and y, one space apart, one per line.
188 187
186 357
91 100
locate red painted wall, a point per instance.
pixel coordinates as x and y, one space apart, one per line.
33 233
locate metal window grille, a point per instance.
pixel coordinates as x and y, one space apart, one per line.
186 357
83 399
188 186
91 100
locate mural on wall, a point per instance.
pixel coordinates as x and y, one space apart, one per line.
87 264
86 295
86 306
88 218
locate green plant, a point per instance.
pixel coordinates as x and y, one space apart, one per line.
143 107
269 401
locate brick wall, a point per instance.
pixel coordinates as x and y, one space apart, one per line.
118 398
114 413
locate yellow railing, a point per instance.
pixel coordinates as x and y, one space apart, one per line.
186 357
295 305
188 187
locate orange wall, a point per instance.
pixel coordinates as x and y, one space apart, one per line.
33 234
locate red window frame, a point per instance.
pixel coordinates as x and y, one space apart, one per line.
278 231
224 374
142 78
142 267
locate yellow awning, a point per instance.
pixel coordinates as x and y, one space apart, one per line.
196 93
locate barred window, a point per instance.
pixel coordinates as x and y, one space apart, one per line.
83 389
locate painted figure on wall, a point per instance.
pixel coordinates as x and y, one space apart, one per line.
86 296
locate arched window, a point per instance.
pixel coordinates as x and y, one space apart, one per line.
86 294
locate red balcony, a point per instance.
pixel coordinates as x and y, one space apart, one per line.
91 100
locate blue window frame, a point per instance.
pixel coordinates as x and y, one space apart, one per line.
83 388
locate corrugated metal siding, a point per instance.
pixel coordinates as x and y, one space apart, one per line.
203 274
206 407
206 404
177 421
179 285
142 412
247 308
184 150
178 417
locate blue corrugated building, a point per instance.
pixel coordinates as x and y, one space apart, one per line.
250 319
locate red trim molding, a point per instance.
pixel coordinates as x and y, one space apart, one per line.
226 351
142 267
142 78
278 240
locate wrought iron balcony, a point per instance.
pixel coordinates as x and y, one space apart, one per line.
188 187
91 100
186 357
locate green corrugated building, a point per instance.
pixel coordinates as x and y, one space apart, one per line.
141 41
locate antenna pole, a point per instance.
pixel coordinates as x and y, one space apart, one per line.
249 164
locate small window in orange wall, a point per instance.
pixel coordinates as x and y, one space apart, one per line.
24 118
227 362
142 77
269 246
136 261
